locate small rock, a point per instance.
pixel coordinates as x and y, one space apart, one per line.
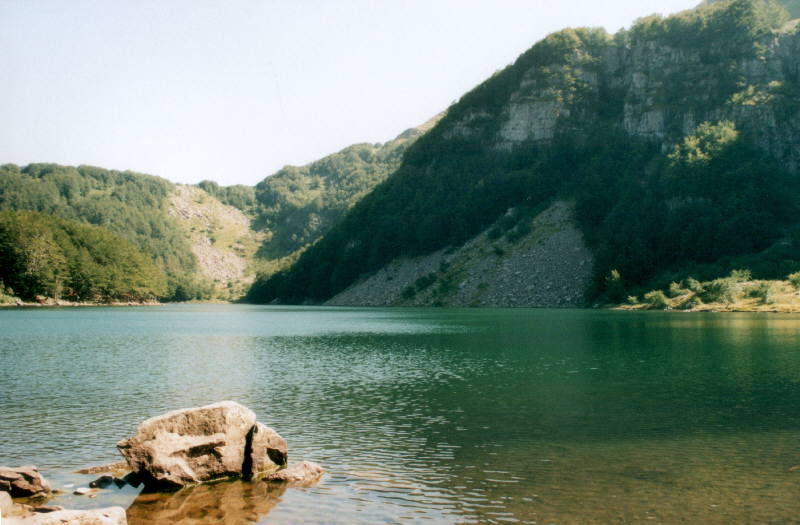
81 491
21 482
42 509
305 473
111 468
132 479
102 482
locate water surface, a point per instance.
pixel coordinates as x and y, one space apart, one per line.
451 416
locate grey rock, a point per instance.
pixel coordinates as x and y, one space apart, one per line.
81 491
102 482
190 446
21 482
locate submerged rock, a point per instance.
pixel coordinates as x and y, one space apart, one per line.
44 509
304 473
106 516
21 482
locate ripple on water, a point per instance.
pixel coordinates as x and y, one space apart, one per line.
479 416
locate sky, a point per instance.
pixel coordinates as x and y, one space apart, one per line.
234 90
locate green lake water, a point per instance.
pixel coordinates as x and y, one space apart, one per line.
426 415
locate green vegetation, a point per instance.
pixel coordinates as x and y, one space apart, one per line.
239 196
130 205
736 292
711 202
300 204
47 256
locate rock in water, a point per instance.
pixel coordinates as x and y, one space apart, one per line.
268 451
23 482
106 516
189 446
304 474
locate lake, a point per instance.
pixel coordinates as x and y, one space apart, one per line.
426 415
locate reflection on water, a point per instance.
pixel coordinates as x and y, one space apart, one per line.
483 416
226 503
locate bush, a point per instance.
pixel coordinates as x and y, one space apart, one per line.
763 291
615 286
794 280
656 300
693 285
676 290
720 291
740 276
632 300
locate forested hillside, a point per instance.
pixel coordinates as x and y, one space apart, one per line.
299 204
676 142
46 256
131 205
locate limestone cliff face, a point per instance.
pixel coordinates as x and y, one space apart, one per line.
658 93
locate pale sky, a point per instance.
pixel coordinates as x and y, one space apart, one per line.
234 90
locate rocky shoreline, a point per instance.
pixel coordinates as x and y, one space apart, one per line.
178 460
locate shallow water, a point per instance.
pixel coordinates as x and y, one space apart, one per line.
490 416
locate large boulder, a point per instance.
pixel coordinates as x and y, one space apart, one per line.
21 482
189 446
106 516
268 451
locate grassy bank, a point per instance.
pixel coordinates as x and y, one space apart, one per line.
735 293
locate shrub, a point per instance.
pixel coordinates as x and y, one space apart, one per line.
615 286
693 285
763 291
656 300
632 300
676 290
794 280
719 291
740 276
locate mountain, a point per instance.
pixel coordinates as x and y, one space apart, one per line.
671 147
207 240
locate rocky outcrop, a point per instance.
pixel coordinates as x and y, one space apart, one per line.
302 474
221 236
105 516
23 482
195 445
